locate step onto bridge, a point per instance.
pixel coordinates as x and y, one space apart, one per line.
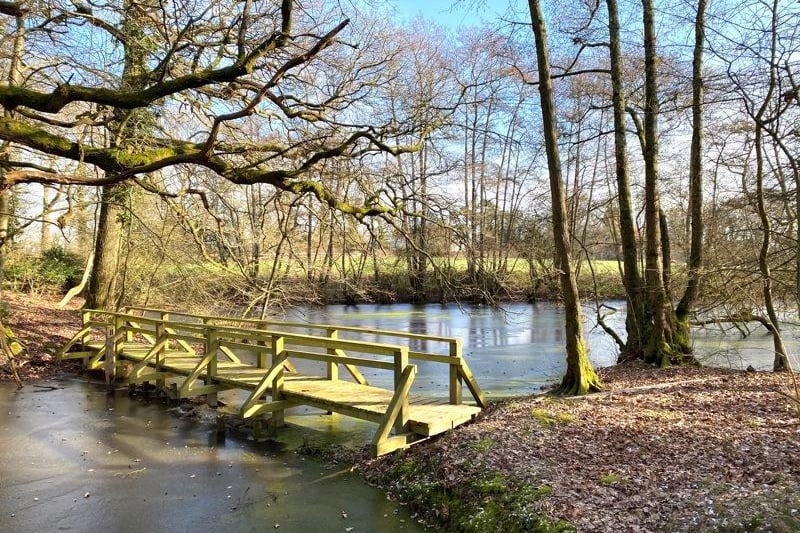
189 355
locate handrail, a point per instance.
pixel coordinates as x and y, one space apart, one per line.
355 329
260 338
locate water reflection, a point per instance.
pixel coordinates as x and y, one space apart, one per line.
517 349
513 350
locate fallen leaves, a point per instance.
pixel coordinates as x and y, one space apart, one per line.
42 329
675 449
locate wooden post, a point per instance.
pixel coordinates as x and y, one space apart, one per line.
120 331
164 318
161 382
278 357
333 368
455 376
261 354
86 317
212 345
400 363
110 362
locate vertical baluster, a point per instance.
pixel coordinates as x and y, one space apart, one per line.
212 346
455 375
261 354
400 363
333 367
278 358
161 382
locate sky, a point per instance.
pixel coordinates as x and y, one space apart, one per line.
449 13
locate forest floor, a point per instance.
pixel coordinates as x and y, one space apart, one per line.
42 329
678 449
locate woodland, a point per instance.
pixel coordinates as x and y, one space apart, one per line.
264 154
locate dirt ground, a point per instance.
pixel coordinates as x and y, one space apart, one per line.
41 328
678 449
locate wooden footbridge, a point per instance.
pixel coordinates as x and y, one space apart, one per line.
203 355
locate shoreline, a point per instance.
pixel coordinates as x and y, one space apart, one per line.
698 449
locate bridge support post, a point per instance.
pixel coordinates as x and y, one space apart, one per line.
262 355
110 362
333 367
278 358
455 375
400 364
212 345
161 382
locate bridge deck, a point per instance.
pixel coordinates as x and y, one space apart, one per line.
162 348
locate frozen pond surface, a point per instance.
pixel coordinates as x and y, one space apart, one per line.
144 469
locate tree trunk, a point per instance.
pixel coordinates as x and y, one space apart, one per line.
660 348
780 362
5 220
695 263
14 78
126 128
101 291
580 377
632 279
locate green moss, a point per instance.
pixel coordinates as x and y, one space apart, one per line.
547 419
402 470
681 336
610 479
582 379
495 484
489 501
482 446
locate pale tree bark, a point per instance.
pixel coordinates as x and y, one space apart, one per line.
580 377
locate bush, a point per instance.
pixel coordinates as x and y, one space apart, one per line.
55 271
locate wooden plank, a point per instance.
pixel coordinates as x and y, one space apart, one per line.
354 329
228 353
431 420
434 358
472 384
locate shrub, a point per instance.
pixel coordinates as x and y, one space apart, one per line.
55 271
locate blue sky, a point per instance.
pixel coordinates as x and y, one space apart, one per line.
450 13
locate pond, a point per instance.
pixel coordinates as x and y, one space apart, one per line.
72 458
519 348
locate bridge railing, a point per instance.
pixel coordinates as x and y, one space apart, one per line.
196 339
459 371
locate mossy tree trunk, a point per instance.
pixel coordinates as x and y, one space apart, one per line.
580 377
663 346
128 129
632 278
687 302
101 291
14 78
